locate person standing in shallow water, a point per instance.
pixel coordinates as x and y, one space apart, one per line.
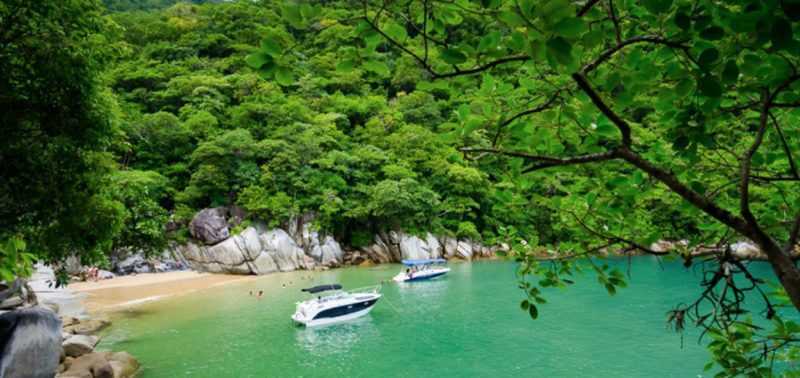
260 294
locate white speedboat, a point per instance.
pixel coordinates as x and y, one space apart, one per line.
418 270
335 307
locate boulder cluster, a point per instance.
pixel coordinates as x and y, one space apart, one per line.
297 245
45 332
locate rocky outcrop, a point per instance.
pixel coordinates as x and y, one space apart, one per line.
78 345
210 226
298 245
30 343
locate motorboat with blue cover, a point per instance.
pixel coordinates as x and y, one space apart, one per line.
423 269
336 306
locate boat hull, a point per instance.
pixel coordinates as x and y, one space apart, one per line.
421 276
337 314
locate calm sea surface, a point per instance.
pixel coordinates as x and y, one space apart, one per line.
467 324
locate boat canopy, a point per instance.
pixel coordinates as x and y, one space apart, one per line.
321 288
423 262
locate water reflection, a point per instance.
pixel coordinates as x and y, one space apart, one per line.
335 339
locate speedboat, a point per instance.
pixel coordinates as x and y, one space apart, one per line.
336 306
418 270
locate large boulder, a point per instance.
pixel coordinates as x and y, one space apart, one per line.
30 343
210 226
78 345
135 263
263 264
123 364
226 253
464 249
84 327
283 249
413 247
91 365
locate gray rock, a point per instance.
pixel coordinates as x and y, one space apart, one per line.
210 226
412 248
131 264
31 343
226 253
78 345
450 246
283 249
263 264
464 249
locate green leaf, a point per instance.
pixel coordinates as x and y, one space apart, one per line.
524 305
560 49
345 65
611 289
781 35
712 33
708 57
731 72
657 6
257 59
709 86
284 76
570 27
533 311
395 31
453 56
377 67
489 41
683 21
271 46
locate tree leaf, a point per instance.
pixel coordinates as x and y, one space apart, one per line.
570 27
377 67
345 65
524 305
453 56
683 21
657 6
533 311
395 31
709 86
257 59
560 49
708 57
271 46
781 34
284 76
731 72
712 33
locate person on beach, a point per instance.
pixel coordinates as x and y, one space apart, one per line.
260 294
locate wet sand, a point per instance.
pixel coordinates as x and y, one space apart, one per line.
125 291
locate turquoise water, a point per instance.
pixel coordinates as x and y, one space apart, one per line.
467 324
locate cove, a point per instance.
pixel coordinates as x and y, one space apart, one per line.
467 323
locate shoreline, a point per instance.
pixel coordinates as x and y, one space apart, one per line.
128 291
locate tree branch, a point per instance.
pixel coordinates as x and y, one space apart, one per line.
746 162
519 115
671 181
607 54
623 126
546 161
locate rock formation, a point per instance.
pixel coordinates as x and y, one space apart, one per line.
210 226
297 245
30 343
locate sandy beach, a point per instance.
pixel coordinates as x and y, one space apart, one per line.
125 291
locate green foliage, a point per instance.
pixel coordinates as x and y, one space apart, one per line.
58 122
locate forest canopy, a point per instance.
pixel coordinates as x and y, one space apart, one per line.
566 128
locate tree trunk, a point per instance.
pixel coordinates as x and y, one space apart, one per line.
782 264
